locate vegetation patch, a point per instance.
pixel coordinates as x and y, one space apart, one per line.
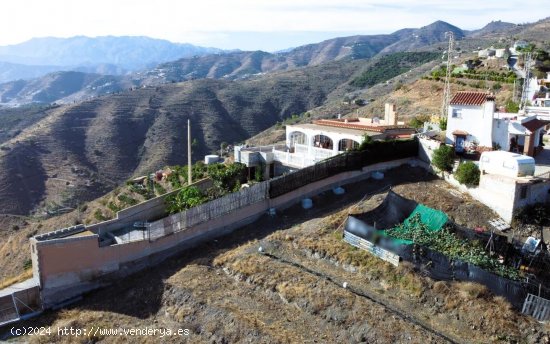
468 173
392 65
451 245
443 158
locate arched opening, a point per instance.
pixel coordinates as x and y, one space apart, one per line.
322 141
347 144
297 137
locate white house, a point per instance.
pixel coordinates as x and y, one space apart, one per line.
539 94
474 125
309 143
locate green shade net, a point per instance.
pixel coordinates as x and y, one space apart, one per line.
433 219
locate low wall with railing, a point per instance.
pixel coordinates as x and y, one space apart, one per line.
67 267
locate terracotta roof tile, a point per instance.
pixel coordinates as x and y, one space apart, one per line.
471 98
340 124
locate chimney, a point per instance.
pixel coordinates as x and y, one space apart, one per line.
390 117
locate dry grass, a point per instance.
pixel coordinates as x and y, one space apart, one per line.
471 291
16 279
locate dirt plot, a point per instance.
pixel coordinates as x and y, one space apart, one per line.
226 291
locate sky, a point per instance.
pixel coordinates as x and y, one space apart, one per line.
248 24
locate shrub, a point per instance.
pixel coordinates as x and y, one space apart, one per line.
98 214
367 140
418 121
27 264
468 174
443 123
187 197
443 158
512 106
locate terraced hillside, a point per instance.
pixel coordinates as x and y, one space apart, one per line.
79 151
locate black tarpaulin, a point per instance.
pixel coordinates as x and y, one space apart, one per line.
391 212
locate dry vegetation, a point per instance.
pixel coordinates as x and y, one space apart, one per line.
226 291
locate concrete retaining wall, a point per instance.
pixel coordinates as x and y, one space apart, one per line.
504 194
426 148
67 268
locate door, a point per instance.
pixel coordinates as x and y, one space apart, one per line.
459 144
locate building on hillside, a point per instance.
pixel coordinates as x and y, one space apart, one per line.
521 44
307 144
474 125
504 185
539 96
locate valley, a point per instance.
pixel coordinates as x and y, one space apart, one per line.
71 141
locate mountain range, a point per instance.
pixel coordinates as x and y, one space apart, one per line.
208 64
113 55
72 153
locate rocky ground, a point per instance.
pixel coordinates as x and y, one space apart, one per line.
226 291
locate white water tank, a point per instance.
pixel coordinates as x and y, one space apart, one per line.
211 159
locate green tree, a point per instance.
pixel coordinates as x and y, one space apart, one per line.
511 106
443 158
468 173
367 140
418 121
443 123
187 197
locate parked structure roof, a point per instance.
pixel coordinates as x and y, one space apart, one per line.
534 124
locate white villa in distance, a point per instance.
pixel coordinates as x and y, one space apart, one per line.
474 125
307 144
539 93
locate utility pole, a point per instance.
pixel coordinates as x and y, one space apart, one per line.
447 88
189 166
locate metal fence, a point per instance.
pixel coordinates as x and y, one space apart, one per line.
537 307
19 304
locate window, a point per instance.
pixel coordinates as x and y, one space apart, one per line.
523 192
456 113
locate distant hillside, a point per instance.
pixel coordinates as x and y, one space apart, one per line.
494 27
106 55
78 152
244 65
412 39
61 86
15 71
392 65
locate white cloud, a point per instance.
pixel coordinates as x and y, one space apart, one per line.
205 20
